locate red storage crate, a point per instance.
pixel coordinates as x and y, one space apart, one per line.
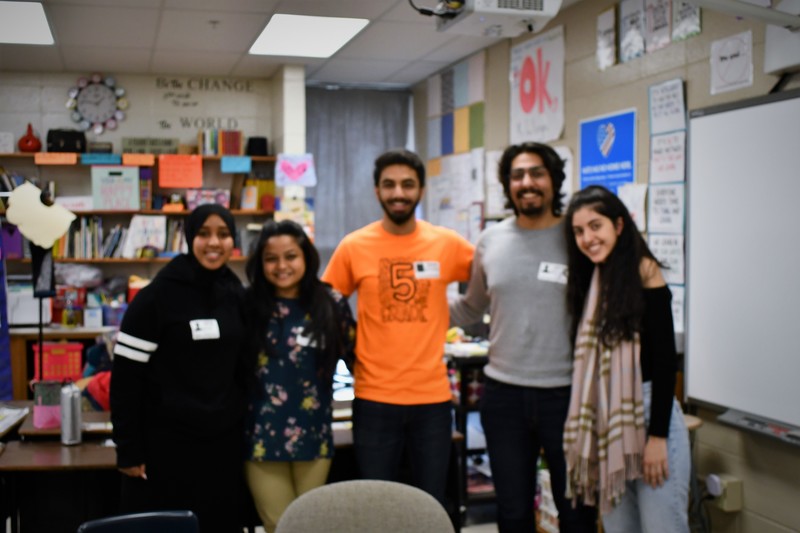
62 361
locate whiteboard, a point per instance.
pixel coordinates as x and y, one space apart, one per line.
743 257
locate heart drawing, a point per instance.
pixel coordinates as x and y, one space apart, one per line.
606 134
294 173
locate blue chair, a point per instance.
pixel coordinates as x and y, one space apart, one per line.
155 522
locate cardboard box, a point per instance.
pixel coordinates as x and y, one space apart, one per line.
23 307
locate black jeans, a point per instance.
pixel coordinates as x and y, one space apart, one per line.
518 421
383 431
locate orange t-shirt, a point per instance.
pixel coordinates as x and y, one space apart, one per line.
402 308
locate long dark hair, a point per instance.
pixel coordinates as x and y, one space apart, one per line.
552 162
621 301
314 298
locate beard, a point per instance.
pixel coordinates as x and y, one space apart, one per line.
400 218
530 210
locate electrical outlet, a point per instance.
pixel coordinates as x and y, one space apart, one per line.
727 491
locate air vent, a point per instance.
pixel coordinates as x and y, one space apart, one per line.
535 5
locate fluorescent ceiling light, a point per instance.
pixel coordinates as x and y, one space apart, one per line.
24 23
302 36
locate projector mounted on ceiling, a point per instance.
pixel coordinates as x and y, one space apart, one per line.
498 18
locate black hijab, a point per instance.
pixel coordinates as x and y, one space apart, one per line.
197 218
222 281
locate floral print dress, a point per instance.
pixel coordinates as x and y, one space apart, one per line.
291 419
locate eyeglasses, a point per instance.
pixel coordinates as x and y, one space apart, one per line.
533 172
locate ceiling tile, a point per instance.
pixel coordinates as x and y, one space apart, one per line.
419 70
103 26
352 71
253 6
458 47
104 3
194 30
174 37
187 63
392 40
367 9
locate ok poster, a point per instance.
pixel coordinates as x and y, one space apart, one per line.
537 88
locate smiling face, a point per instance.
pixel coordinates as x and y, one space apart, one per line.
284 265
595 234
530 186
399 192
213 243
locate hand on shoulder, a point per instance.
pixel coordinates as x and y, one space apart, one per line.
651 274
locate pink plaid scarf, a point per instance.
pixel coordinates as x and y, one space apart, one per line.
604 434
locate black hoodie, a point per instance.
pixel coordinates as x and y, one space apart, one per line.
180 358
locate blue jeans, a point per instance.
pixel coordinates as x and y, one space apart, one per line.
663 509
518 422
382 432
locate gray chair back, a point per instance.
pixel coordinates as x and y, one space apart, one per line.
365 505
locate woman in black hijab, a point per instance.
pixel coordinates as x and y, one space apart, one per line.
177 389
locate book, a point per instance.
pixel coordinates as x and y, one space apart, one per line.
10 417
145 231
146 187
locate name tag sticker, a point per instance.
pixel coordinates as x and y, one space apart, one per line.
552 272
426 269
204 329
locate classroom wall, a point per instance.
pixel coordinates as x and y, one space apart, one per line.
160 106
770 470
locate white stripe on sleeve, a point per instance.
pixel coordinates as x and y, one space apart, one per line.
136 342
130 353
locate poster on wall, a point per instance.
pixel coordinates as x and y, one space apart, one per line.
631 30
732 63
606 39
633 196
607 148
537 88
666 208
667 108
658 20
495 204
668 157
678 297
685 20
668 249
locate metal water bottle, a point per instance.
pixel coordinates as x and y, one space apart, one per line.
70 414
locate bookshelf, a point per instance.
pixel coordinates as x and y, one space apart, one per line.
74 180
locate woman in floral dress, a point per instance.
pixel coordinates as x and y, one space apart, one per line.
301 328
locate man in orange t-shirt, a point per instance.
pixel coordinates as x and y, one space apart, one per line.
401 267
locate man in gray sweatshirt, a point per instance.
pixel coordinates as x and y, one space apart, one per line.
519 276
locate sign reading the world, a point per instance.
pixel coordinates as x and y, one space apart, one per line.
607 148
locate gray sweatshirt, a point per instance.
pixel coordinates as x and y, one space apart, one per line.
519 275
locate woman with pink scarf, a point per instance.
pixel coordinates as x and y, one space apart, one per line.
625 441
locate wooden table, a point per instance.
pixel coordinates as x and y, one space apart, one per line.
52 487
80 482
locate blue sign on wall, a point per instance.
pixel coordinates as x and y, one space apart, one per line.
607 147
